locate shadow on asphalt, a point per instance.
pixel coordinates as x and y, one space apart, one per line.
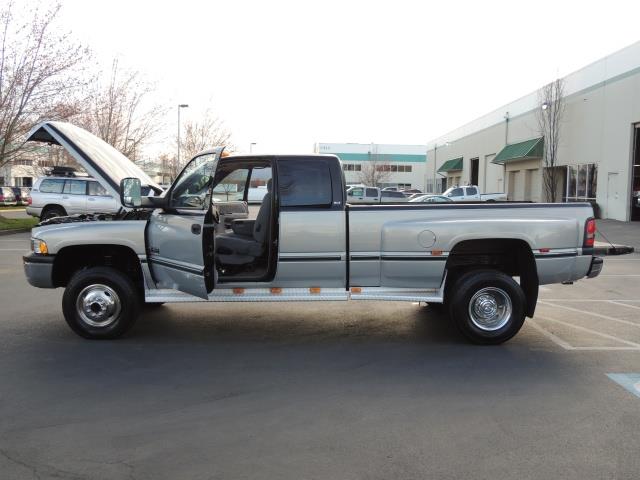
307 323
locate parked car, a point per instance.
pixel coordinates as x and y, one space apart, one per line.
374 195
430 199
306 243
362 194
7 197
22 194
60 196
471 193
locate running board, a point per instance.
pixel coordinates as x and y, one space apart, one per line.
251 295
298 295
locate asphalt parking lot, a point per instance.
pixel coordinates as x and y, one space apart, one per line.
323 390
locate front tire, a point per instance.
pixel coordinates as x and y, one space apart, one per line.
487 306
52 212
100 303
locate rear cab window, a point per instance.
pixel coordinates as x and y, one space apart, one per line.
305 182
472 191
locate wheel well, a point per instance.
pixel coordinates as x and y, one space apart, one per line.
49 206
71 259
510 256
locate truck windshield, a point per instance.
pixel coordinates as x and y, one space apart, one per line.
191 189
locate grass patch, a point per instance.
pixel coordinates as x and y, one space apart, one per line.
12 207
12 223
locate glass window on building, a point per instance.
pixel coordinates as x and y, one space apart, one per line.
581 182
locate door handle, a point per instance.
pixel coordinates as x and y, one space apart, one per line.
196 229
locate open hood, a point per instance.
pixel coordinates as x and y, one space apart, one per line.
97 157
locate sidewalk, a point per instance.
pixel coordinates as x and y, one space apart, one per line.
619 233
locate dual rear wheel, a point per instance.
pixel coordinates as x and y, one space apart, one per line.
487 306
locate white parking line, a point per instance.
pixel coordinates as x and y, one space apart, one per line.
619 302
586 300
593 314
593 332
555 339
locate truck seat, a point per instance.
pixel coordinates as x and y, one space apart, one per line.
237 249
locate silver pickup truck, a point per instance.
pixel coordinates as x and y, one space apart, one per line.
482 262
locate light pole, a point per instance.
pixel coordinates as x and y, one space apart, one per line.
180 106
251 146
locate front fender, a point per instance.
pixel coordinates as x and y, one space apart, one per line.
128 233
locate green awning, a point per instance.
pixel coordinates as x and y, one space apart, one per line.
527 150
451 165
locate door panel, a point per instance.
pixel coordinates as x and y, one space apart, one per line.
175 252
180 238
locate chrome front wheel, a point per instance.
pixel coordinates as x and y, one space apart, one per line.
98 305
101 303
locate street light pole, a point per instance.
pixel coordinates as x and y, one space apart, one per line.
180 106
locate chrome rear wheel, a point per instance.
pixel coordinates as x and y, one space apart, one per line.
490 309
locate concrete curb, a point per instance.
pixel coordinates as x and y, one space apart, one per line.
15 230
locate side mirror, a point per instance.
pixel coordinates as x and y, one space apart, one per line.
130 192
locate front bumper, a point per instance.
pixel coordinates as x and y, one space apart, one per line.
595 268
34 211
39 270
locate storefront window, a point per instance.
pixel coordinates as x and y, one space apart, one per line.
581 182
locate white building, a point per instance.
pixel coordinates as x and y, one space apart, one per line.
404 165
599 153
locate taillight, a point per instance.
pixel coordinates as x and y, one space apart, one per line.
1 198
590 232
29 201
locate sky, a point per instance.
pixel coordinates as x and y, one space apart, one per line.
288 74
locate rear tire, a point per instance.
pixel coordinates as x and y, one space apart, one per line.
487 306
52 212
100 303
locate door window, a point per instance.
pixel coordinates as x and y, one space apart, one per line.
191 189
472 191
356 192
304 183
75 187
372 192
456 192
52 185
97 190
232 184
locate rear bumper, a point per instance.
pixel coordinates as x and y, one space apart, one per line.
39 270
595 268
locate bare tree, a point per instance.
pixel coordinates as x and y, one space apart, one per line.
42 74
121 112
374 172
549 115
204 134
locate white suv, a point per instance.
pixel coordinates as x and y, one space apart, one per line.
60 196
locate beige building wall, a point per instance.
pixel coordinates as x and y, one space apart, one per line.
602 106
